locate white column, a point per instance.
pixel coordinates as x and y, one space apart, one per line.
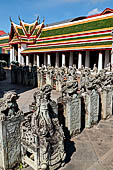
79 60
100 61
20 57
87 59
106 58
71 59
38 62
23 62
11 54
45 59
48 59
57 60
27 60
63 60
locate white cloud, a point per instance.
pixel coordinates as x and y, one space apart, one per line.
94 11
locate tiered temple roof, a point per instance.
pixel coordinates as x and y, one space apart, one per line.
81 33
4 44
24 33
92 32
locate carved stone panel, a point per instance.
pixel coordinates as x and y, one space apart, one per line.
92 109
9 143
13 142
74 115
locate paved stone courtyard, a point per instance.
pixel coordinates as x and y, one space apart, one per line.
91 150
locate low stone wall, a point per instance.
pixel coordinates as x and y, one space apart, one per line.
24 75
2 74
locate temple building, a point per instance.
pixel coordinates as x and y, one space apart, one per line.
4 47
80 41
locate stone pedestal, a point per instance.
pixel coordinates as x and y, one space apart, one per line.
92 109
106 103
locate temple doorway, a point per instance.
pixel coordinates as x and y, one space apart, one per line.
75 58
53 58
41 59
94 58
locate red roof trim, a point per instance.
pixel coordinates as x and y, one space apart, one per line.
107 10
2 32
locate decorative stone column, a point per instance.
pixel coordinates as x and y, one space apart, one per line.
106 58
63 60
48 59
27 60
45 59
79 60
100 61
57 59
71 59
38 62
87 59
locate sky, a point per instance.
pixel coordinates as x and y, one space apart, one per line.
51 10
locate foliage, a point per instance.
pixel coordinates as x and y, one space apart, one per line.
20 166
3 63
15 63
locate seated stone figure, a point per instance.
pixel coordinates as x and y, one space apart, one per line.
46 129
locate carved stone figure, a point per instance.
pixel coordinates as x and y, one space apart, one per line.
8 106
42 133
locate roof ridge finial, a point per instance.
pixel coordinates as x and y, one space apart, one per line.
43 19
19 18
39 21
10 19
37 18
